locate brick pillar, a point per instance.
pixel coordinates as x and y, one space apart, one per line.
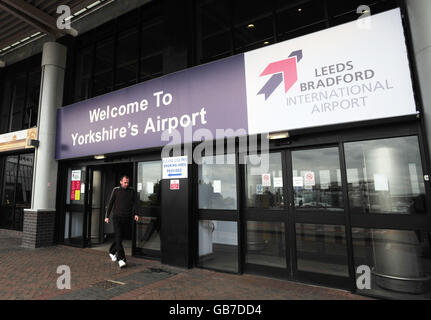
38 229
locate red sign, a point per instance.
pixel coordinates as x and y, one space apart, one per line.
175 184
75 185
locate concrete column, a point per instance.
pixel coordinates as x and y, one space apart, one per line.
38 228
419 13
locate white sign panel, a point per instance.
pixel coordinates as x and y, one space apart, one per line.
298 182
381 182
76 175
278 182
175 167
266 180
353 72
309 179
217 186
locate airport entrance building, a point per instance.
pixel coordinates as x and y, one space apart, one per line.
287 138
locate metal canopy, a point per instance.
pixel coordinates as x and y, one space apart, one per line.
22 19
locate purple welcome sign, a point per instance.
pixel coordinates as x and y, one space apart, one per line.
211 96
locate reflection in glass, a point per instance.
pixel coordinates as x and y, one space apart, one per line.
148 233
266 244
149 180
217 182
218 245
149 190
262 193
385 176
317 179
321 249
73 228
400 261
7 204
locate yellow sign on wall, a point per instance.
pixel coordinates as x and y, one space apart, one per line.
17 140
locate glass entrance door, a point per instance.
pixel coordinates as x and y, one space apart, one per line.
94 207
294 218
75 225
318 216
147 229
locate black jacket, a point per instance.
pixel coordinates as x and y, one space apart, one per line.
123 201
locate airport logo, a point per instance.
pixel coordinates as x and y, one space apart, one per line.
284 70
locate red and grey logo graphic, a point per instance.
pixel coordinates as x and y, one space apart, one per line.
281 70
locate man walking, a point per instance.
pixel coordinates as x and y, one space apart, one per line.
124 203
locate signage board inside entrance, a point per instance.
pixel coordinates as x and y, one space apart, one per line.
175 167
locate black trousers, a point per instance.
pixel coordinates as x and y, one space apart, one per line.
121 225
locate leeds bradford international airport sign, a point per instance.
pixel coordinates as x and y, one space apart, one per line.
353 72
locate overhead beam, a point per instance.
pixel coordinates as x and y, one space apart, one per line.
35 17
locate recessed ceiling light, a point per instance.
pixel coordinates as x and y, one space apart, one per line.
299 9
278 135
266 42
250 26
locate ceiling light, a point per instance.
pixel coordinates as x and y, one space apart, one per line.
100 157
278 135
250 26
299 9
266 42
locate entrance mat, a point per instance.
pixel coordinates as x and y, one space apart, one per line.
108 289
108 284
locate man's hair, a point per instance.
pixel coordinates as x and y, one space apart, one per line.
125 176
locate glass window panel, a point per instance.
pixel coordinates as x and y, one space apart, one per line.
151 67
217 182
321 249
218 245
215 16
18 101
149 181
399 262
260 193
249 11
266 244
316 179
30 119
7 204
385 176
103 74
84 62
301 16
127 58
77 225
149 186
25 180
152 51
148 233
216 36
252 38
5 105
216 46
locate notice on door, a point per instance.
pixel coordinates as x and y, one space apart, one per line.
75 190
175 167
